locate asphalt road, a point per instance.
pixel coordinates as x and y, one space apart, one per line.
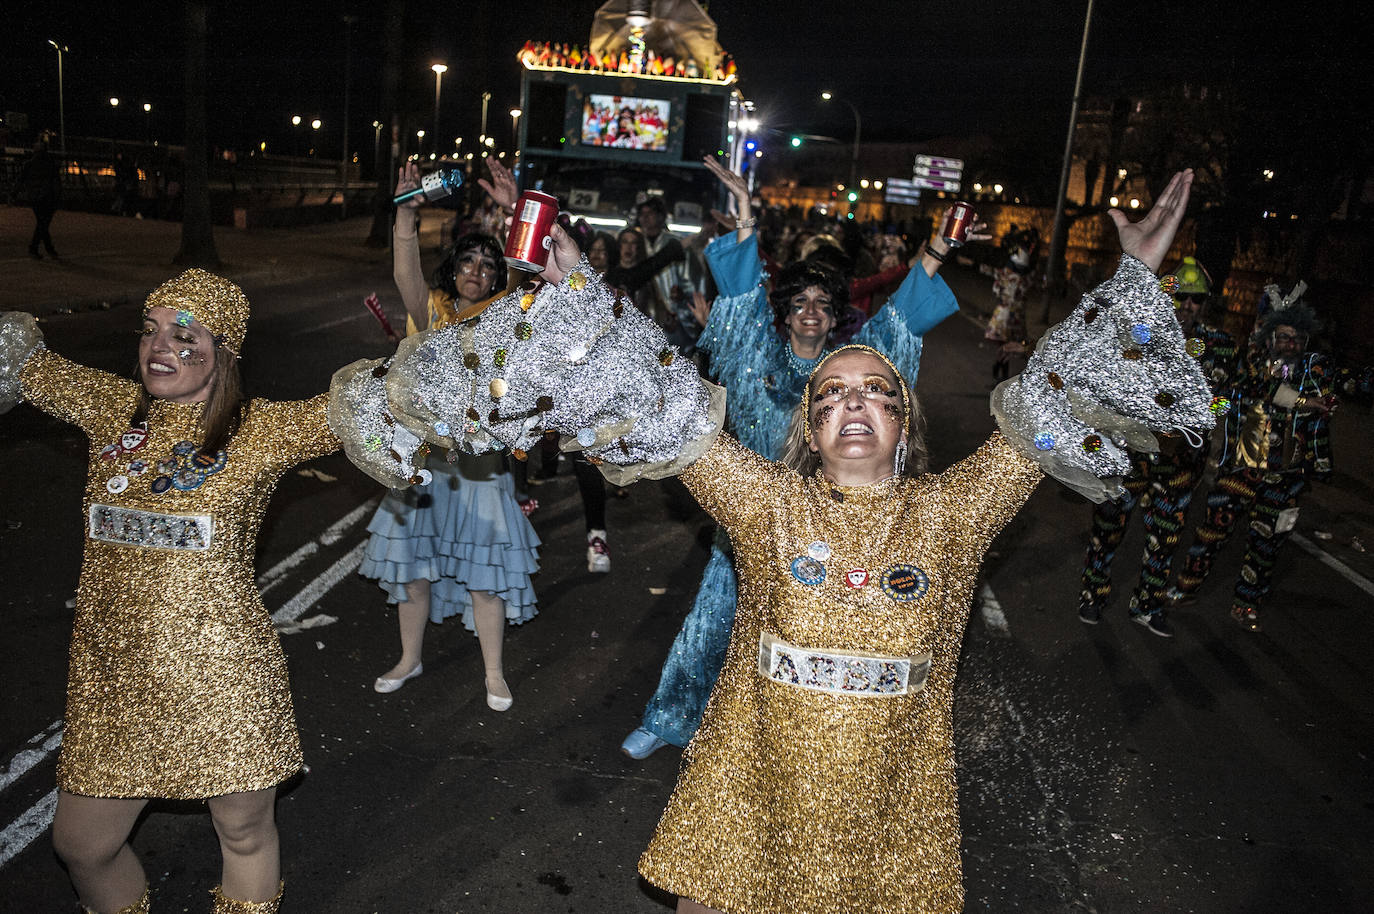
1102 769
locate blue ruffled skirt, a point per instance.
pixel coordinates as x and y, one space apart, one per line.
464 531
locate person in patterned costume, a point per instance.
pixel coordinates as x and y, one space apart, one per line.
1161 482
1277 440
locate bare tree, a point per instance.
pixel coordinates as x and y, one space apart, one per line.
197 235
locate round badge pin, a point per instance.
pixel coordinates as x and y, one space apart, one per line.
819 550
183 448
905 583
808 571
138 467
856 578
160 485
116 484
110 452
187 479
202 461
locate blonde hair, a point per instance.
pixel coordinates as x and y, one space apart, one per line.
796 450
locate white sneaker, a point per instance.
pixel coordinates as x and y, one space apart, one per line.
598 554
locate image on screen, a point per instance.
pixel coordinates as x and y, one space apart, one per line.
625 123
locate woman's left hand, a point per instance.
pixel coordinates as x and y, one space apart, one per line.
501 188
1150 239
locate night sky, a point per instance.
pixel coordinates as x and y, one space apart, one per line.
913 69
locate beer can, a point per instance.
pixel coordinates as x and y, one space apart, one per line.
955 227
527 245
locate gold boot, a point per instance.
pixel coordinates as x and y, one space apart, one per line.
225 905
138 907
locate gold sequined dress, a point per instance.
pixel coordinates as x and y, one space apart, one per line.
177 685
793 799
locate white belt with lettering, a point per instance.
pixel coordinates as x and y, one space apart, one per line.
130 527
841 672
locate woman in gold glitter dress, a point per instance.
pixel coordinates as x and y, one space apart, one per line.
822 777
177 686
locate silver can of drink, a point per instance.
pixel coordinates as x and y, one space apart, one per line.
956 225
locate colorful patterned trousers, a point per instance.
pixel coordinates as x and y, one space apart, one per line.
1266 495
1163 486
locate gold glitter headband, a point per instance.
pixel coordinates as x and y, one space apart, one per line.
855 347
213 301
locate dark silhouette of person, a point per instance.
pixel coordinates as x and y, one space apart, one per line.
38 187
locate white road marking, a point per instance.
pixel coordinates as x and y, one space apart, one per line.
20 833
991 610
297 605
274 575
24 759
1335 564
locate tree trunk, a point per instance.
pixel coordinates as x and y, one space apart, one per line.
197 235
383 210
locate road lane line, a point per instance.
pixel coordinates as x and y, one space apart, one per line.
25 759
332 534
20 833
991 610
1335 564
297 605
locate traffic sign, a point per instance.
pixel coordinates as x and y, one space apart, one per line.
901 190
945 184
940 162
930 171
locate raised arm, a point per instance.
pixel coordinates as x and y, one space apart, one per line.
85 397
1114 371
405 250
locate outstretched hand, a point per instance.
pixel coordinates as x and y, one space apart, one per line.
701 308
501 188
1149 239
735 184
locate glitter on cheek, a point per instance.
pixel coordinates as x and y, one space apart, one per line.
893 412
191 356
823 415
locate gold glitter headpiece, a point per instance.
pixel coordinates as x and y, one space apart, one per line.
213 301
869 350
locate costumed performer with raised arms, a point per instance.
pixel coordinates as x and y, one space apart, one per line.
177 685
763 346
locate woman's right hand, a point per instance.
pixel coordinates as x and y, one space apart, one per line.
407 179
735 184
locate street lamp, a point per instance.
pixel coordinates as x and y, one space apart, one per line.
114 115
296 135
515 129
148 117
439 71
377 146
315 126
61 97
854 159
486 97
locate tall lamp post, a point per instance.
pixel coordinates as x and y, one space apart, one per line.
1059 234
515 131
854 158
114 114
486 97
296 135
61 98
148 119
439 71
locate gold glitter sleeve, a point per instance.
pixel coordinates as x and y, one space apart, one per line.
991 485
293 431
86 397
733 484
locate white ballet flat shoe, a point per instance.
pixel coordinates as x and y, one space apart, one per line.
497 703
385 685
